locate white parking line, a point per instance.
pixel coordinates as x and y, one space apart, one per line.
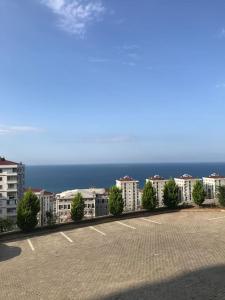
31 245
148 220
216 218
99 231
121 223
65 236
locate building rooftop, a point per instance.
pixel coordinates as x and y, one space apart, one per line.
35 190
4 162
156 177
215 175
86 193
186 176
126 178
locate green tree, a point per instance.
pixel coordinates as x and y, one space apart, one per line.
149 200
115 201
77 207
50 218
221 195
6 225
27 211
198 193
171 194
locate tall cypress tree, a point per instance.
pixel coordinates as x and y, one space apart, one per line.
115 201
27 211
198 193
149 200
171 194
77 207
221 195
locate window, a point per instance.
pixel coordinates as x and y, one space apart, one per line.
68 206
11 178
11 210
0 187
11 186
0 178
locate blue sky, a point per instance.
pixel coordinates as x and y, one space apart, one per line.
112 81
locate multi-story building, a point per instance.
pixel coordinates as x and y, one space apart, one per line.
211 184
186 184
95 199
47 204
158 184
11 187
130 193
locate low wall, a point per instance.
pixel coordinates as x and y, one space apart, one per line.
18 234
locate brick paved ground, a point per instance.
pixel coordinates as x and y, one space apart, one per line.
182 256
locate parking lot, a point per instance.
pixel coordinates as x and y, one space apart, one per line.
179 255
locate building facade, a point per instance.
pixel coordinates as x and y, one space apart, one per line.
130 193
95 199
158 184
211 184
186 184
47 205
12 177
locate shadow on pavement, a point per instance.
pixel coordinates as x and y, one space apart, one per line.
8 252
204 284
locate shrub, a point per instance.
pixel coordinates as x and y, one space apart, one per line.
149 200
171 194
198 193
77 207
27 211
115 201
221 195
6 225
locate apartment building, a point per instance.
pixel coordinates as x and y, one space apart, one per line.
95 199
11 187
130 193
158 184
186 184
47 204
211 184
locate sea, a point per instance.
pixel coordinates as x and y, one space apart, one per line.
58 178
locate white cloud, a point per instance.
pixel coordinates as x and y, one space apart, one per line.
222 33
111 139
4 129
115 139
220 85
130 64
130 47
98 60
74 16
134 56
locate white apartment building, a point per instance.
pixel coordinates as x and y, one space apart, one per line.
186 184
47 204
11 187
95 199
130 193
158 184
211 184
